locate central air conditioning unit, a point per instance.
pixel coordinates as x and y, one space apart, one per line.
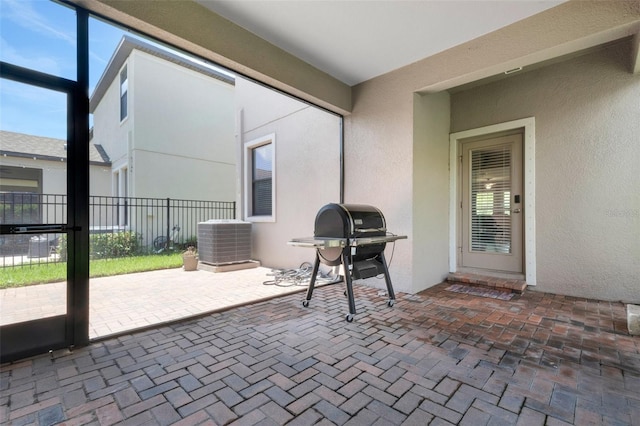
224 242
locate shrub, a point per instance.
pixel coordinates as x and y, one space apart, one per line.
62 247
112 245
107 246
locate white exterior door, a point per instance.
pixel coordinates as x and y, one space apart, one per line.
492 204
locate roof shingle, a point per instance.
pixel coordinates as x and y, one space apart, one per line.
42 148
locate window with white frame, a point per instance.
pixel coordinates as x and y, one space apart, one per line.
124 89
259 161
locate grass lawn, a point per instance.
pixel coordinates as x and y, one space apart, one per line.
52 272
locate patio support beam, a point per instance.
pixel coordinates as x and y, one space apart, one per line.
193 28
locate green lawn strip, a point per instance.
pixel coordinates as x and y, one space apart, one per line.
53 272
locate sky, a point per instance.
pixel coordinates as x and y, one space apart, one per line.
41 35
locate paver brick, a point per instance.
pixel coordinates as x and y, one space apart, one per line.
408 403
250 404
143 406
165 414
196 405
126 397
279 396
304 388
157 390
229 397
331 412
418 418
329 395
301 404
356 403
440 411
386 412
281 381
381 396
307 418
51 415
178 397
276 413
109 414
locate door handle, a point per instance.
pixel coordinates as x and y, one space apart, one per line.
37 229
516 210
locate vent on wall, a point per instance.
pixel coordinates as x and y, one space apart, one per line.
222 242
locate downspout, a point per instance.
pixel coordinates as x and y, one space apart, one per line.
341 159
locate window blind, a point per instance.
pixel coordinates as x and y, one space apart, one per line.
491 199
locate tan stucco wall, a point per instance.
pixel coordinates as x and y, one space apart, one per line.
383 167
429 239
307 142
587 113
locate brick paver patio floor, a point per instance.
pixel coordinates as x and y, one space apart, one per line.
126 302
437 357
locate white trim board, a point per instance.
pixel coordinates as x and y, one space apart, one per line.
528 124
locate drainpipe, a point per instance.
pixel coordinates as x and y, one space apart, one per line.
341 159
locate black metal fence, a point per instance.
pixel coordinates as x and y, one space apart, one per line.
152 225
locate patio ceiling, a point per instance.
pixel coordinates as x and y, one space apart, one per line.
357 40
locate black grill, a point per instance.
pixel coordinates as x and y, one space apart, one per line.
354 236
350 221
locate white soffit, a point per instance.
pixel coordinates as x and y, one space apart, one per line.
355 41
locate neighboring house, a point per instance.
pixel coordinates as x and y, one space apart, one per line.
33 182
167 123
37 165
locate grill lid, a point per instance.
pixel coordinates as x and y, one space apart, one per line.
349 221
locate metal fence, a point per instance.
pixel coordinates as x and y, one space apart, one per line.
153 225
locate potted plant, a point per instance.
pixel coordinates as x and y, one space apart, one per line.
190 259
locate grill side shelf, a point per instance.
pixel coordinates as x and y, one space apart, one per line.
318 243
363 241
326 243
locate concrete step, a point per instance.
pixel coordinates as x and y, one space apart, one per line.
504 284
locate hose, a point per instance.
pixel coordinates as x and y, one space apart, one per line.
299 277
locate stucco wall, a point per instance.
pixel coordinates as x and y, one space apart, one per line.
587 113
184 132
307 168
429 240
108 131
54 179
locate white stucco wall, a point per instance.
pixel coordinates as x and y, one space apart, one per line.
307 168
178 138
108 131
54 179
100 180
54 174
183 132
587 113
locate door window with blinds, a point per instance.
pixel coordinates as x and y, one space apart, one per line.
491 199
